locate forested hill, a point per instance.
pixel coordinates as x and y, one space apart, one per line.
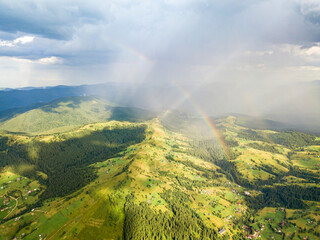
65 113
122 180
17 98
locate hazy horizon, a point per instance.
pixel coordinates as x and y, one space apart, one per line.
252 57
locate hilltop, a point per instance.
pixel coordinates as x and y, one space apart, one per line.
66 113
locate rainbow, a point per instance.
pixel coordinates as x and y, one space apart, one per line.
133 51
207 120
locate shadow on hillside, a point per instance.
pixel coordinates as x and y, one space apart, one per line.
11 113
131 114
69 102
67 162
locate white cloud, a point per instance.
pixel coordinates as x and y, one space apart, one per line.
6 44
23 40
309 6
315 50
50 60
18 41
299 50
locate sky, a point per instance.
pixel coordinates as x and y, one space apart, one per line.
73 42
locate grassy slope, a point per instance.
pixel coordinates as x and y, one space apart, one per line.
96 211
67 113
251 163
95 215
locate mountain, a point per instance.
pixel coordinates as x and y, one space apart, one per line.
16 98
262 123
157 179
125 94
66 113
298 107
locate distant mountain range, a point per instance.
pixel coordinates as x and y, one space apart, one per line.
296 105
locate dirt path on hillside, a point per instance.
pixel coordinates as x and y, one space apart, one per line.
16 199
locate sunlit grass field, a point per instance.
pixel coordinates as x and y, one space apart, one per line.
149 169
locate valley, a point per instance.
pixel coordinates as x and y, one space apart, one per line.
165 184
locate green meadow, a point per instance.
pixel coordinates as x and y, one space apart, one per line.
144 181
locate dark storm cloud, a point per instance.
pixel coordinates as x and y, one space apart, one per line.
50 19
310 9
177 27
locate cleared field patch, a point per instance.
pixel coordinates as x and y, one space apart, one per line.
306 160
44 226
16 192
259 165
94 222
313 148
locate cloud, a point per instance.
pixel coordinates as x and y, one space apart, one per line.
314 50
23 40
311 10
6 44
16 42
45 61
181 38
303 55
49 19
50 60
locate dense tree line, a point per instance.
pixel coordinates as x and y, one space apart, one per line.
307 175
141 222
284 196
293 139
66 163
249 134
3 143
